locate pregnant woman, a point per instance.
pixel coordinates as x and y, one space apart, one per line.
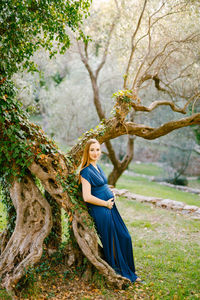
115 238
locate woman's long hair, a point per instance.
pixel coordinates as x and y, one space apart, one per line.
85 158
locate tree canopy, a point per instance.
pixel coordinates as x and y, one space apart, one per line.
27 25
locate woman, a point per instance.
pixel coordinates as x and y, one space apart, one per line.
110 227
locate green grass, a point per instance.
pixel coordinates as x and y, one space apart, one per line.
143 224
143 186
2 217
4 295
146 169
194 184
166 250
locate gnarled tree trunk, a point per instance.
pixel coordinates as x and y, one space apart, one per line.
33 224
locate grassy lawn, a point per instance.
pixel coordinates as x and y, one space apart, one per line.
143 186
146 169
166 250
194 183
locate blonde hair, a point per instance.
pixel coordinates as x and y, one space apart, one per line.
85 158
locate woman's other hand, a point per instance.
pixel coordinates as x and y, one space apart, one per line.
110 203
114 197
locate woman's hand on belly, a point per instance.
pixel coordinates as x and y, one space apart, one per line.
110 203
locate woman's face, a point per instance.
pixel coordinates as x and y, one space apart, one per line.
94 151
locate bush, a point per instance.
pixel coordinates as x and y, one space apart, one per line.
178 181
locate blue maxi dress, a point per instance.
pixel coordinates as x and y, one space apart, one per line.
110 227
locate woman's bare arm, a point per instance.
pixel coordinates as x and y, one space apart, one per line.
87 196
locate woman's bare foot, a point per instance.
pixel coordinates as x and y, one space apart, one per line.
139 280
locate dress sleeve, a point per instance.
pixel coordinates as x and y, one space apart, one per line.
85 174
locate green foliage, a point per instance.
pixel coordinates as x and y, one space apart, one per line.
28 280
17 144
75 194
13 146
4 295
21 143
57 78
28 25
10 209
28 284
98 279
123 95
45 269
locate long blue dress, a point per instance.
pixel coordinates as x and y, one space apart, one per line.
110 227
